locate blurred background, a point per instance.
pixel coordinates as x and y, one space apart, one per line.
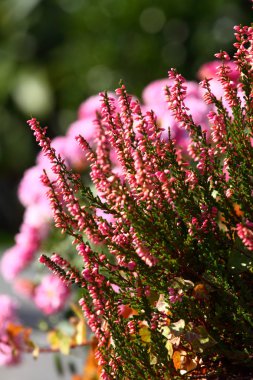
56 53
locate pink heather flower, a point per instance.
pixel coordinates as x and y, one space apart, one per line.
153 98
153 94
209 70
108 217
90 106
31 190
16 258
245 233
69 150
28 237
8 311
51 295
39 217
175 296
8 355
84 127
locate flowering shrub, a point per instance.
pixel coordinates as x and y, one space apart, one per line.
164 245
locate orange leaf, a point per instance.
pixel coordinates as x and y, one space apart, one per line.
176 360
238 210
15 330
91 369
200 292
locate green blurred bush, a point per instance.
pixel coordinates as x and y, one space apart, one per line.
55 53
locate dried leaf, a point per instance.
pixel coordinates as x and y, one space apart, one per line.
152 358
145 334
15 330
176 360
178 327
169 348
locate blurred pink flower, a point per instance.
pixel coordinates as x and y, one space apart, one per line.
8 311
8 314
39 217
8 355
89 107
16 258
31 190
12 262
68 148
209 70
51 294
84 127
154 99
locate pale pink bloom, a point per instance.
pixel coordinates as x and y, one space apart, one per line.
8 311
209 70
16 258
51 295
31 190
68 149
8 356
84 127
153 93
28 237
108 217
89 107
153 96
40 217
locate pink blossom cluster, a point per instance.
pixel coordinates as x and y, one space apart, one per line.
37 221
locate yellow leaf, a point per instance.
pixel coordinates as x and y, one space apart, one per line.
77 310
59 341
80 335
169 348
65 343
145 334
177 360
166 331
53 339
152 358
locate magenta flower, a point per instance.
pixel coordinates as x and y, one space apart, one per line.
51 295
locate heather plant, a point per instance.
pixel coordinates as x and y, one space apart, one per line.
163 259
166 267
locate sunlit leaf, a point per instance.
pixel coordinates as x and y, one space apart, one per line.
81 332
166 331
178 327
59 341
169 348
145 334
176 360
152 358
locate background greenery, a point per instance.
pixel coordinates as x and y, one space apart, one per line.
55 53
